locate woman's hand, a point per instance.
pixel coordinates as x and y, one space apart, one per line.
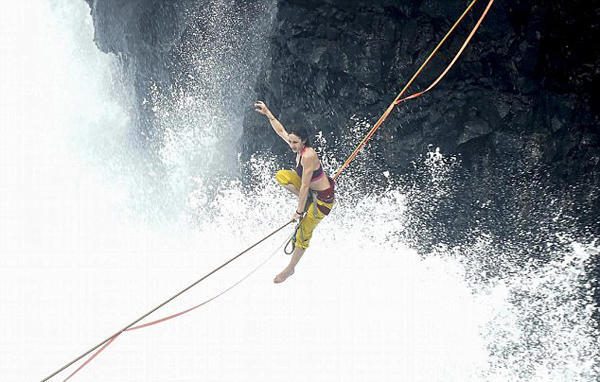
296 216
262 108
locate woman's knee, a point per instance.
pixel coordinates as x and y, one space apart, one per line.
288 177
282 178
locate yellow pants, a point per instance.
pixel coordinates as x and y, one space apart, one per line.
313 216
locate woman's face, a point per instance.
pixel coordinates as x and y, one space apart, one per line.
296 144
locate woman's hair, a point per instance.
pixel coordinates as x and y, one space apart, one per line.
302 133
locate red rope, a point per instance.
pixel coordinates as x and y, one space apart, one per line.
93 355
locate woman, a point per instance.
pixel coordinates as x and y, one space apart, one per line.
308 176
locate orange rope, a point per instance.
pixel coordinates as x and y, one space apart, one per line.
399 98
464 45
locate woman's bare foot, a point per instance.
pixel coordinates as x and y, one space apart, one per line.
283 275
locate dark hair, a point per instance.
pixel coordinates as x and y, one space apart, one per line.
302 133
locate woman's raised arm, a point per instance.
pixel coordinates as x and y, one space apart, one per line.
261 108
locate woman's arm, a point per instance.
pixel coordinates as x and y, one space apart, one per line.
310 162
277 126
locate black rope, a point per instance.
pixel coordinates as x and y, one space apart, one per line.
292 240
167 301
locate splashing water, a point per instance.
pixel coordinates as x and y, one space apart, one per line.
199 117
77 264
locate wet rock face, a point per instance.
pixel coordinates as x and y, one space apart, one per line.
142 33
137 27
524 87
204 49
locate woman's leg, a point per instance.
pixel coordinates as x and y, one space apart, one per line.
303 236
289 180
289 270
291 188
